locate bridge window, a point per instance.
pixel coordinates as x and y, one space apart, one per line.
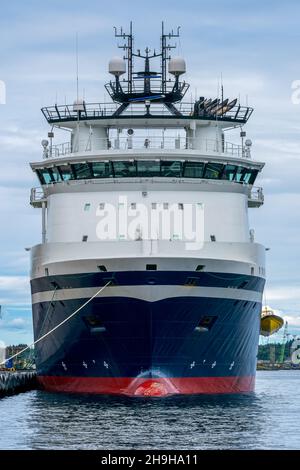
253 176
213 170
239 175
229 173
124 169
56 174
65 172
148 168
247 175
101 170
45 176
193 169
171 169
82 170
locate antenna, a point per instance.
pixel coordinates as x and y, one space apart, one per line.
77 69
222 89
128 48
164 50
127 93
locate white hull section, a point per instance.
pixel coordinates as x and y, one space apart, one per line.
71 258
149 293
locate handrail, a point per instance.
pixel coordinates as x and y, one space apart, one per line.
60 113
146 143
37 195
255 192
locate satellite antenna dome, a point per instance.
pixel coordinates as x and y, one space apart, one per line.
45 143
117 66
78 105
177 66
248 143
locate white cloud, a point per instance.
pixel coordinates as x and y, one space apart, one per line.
14 290
17 323
284 293
292 321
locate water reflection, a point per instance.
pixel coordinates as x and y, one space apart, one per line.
269 418
175 422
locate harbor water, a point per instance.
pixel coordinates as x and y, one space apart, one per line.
267 419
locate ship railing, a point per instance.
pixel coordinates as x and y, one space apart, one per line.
255 193
149 143
256 196
138 87
37 196
60 113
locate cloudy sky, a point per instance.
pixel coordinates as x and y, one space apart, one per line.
254 45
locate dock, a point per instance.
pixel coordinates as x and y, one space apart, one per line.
16 382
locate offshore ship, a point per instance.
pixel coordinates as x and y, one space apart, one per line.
148 200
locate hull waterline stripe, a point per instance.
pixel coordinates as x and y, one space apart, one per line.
150 293
149 387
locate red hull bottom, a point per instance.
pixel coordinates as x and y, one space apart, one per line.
148 387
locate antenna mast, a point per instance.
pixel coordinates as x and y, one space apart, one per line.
164 51
77 69
128 48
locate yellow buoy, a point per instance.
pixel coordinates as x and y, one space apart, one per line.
269 322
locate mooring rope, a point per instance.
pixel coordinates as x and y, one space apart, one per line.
48 309
57 326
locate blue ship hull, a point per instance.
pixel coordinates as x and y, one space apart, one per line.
126 345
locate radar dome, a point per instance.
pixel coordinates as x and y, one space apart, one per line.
177 66
117 66
78 105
